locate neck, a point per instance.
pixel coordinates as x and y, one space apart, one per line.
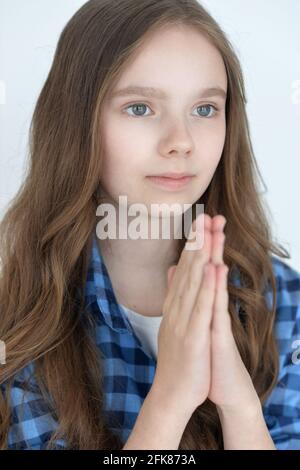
138 269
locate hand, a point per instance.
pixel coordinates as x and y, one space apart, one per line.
231 387
195 335
182 377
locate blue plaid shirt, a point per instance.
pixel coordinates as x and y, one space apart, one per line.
129 370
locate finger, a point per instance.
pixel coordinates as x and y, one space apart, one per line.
202 312
171 272
201 223
187 277
218 243
221 322
187 256
187 281
207 220
188 290
218 223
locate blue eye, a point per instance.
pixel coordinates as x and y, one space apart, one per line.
208 106
140 106
137 106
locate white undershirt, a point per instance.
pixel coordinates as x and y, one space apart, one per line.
146 329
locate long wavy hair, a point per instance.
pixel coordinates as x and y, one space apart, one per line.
47 228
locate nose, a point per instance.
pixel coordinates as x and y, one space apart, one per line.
178 143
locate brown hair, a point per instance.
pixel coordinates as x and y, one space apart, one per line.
47 230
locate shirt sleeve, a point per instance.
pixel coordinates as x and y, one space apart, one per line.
31 422
282 407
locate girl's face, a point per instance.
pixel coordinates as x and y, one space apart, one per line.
177 129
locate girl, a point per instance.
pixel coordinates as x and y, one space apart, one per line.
139 89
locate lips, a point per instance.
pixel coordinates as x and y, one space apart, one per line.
171 182
172 175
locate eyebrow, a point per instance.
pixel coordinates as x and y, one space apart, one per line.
152 92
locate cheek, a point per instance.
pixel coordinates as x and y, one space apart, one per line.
114 174
210 150
211 142
125 133
117 172
124 155
114 151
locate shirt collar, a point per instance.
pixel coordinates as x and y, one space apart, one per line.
99 289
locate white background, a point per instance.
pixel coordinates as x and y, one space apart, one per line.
266 37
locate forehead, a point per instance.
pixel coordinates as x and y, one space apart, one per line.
172 61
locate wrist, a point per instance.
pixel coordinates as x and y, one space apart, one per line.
241 411
244 428
170 404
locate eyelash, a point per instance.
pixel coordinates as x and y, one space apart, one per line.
200 106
